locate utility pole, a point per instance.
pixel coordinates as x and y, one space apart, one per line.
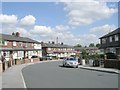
57 40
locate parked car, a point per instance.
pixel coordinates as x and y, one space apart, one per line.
49 57
34 56
71 62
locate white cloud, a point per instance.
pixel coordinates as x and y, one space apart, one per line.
61 28
28 20
83 13
42 30
46 34
23 32
102 30
8 19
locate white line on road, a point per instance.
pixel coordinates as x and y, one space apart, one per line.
24 84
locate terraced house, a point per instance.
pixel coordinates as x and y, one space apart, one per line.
57 50
17 47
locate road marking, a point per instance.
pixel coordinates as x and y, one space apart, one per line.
24 84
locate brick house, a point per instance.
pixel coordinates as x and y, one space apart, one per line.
89 50
111 42
17 47
57 50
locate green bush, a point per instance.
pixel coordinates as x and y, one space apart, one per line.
93 57
111 55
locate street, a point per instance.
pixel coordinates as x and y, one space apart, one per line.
53 75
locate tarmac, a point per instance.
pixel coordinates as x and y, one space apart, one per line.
13 78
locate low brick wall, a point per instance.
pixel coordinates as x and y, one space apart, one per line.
112 64
27 61
36 60
18 62
1 67
6 65
10 62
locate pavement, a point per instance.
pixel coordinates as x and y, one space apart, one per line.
13 78
101 69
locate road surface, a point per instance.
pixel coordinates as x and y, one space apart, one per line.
53 75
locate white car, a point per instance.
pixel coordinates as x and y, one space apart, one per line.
71 61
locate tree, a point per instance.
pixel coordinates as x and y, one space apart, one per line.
78 45
84 53
91 45
98 45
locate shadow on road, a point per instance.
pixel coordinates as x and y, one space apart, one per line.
65 66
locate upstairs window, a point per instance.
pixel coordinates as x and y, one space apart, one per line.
14 43
21 44
116 38
5 43
103 40
110 38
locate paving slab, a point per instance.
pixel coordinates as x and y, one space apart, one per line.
12 77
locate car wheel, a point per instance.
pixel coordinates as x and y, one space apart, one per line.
77 66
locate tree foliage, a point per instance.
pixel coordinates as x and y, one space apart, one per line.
78 45
91 45
98 45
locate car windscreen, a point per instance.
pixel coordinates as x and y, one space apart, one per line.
72 59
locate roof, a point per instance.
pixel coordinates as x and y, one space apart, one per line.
18 49
112 33
55 45
15 38
86 48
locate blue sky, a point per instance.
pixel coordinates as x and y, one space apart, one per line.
71 22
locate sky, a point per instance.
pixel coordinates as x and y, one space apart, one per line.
82 22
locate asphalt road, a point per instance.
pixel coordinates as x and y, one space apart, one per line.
53 75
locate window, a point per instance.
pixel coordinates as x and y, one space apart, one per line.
110 38
49 48
116 38
20 43
104 40
5 43
14 43
26 44
2 42
32 44
7 54
20 53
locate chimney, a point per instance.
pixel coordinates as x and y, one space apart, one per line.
57 40
42 43
17 34
53 42
13 33
49 42
61 43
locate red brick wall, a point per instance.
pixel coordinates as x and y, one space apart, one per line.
9 45
27 61
36 59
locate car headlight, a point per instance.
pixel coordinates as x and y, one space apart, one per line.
71 63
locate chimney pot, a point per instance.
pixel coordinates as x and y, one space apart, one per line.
17 34
13 33
53 42
61 43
